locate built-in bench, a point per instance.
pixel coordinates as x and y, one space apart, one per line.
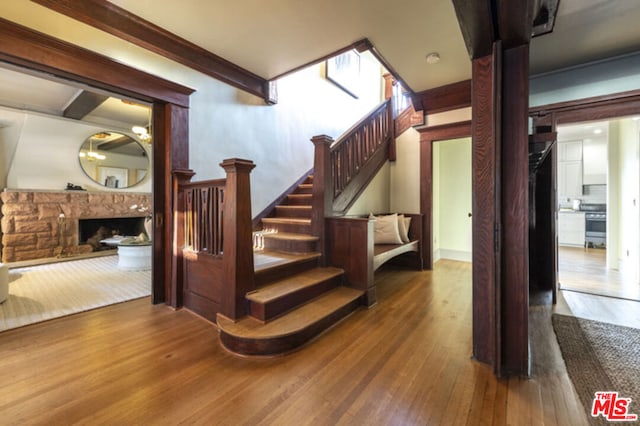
350 245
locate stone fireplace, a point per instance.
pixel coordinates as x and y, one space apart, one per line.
42 224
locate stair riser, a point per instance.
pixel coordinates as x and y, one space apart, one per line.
299 201
270 310
290 246
287 211
295 228
303 190
284 344
278 273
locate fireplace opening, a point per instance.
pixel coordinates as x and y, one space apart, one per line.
92 231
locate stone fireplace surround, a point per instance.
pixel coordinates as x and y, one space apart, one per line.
30 228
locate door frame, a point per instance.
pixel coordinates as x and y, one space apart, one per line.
32 50
595 108
428 136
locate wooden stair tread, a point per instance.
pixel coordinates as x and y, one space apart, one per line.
266 259
293 207
294 283
294 321
291 236
287 220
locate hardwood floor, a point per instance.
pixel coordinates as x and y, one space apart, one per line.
585 270
405 361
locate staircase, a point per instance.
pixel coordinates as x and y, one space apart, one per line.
296 299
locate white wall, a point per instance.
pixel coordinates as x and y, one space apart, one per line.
46 154
452 199
629 181
225 122
405 174
375 198
11 123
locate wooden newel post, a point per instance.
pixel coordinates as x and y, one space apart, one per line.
180 177
237 253
322 195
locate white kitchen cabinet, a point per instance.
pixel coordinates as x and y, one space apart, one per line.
570 151
571 229
594 155
569 180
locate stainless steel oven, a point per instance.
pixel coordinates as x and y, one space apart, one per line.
595 224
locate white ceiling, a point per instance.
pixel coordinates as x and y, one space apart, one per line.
269 38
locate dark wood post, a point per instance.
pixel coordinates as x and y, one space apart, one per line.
180 177
322 189
237 257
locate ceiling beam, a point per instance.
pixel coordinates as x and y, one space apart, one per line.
83 104
116 143
477 24
25 47
484 21
443 98
117 21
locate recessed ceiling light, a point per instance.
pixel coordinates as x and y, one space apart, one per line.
636 118
433 58
597 131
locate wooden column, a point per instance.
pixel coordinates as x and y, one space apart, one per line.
515 211
180 177
322 190
237 269
170 151
486 208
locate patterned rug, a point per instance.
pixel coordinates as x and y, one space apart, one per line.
39 293
600 357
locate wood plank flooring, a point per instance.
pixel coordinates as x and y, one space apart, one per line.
585 270
405 361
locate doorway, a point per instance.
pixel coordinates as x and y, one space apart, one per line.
452 195
598 219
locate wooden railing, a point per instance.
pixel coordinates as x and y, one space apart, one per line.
203 231
343 168
213 232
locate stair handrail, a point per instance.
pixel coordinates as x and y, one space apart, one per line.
213 217
343 168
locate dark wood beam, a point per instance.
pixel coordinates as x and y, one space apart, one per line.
25 47
83 104
115 20
476 20
515 22
443 98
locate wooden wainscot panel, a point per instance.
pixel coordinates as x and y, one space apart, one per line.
203 283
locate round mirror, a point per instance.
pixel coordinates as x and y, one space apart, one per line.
114 160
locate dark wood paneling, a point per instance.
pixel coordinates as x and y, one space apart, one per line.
475 18
24 47
515 207
485 168
428 136
443 98
114 20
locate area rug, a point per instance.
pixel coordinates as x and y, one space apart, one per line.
43 292
600 357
